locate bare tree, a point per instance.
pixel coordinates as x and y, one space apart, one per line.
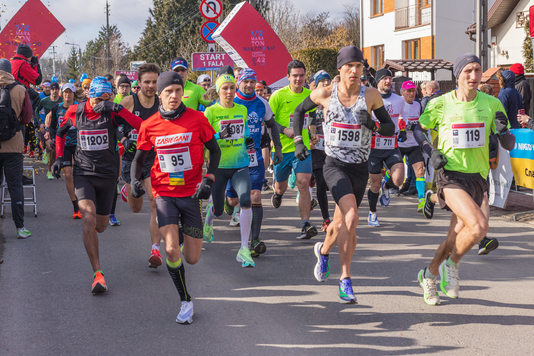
351 21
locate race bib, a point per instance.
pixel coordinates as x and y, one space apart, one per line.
94 140
236 128
344 135
306 121
133 134
174 160
472 135
384 142
253 158
320 144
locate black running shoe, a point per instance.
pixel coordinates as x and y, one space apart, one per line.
257 247
276 200
428 211
404 188
394 191
410 191
308 231
314 203
487 245
266 187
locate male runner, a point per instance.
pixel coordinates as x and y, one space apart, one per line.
192 92
259 112
283 104
143 104
464 118
347 145
385 150
45 106
135 87
123 89
204 81
56 117
179 135
95 168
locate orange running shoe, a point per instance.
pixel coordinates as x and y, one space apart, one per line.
77 215
155 259
325 224
99 284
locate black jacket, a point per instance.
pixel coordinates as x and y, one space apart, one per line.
522 86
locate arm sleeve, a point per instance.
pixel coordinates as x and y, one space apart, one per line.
215 155
137 164
507 141
387 127
420 136
26 112
134 120
53 123
300 111
273 132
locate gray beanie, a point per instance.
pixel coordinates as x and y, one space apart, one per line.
5 65
462 61
24 50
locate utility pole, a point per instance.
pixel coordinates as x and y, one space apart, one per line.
53 60
107 31
482 33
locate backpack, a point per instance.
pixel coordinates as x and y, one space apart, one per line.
9 122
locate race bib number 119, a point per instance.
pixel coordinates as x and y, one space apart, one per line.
472 135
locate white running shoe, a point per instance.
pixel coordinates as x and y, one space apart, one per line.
430 293
235 220
450 280
372 219
186 313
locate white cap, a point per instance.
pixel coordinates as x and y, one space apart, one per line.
68 86
203 78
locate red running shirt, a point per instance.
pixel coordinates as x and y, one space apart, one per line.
179 147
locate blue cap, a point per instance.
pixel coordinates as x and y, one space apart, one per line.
320 76
84 76
54 79
99 87
179 62
72 81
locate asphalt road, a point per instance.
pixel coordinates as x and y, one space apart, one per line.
277 308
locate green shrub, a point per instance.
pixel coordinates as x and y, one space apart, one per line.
316 59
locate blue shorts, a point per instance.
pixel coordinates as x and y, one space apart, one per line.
257 178
282 171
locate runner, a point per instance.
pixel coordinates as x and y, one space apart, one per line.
385 150
95 168
229 120
259 113
86 84
56 117
283 103
204 81
464 118
192 92
143 104
179 135
123 89
347 147
409 147
44 107
135 87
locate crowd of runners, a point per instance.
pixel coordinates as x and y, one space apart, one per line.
180 143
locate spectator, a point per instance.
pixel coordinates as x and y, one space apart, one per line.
522 85
25 66
12 144
510 97
432 91
487 89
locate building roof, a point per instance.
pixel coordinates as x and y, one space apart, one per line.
417 65
497 14
489 74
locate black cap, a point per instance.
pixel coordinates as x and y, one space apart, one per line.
24 50
382 73
169 78
124 80
225 70
54 85
349 54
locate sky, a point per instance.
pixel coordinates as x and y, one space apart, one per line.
83 22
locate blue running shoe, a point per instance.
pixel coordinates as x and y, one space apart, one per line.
384 196
372 219
322 268
113 220
346 294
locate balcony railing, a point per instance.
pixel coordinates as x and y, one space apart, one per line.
411 16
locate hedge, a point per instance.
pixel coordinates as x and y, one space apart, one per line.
316 59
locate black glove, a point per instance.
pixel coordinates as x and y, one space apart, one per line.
56 167
35 60
410 125
402 136
204 189
223 134
501 122
249 141
129 145
278 156
301 152
367 121
439 160
137 190
107 106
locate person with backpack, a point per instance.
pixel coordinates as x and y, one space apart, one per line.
15 112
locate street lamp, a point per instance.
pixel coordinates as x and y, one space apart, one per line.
79 54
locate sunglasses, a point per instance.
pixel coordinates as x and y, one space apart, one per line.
85 87
136 87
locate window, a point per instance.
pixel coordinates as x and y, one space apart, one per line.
424 3
377 56
412 49
377 7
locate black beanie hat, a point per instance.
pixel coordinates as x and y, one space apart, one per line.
381 73
349 54
169 78
24 50
225 70
124 80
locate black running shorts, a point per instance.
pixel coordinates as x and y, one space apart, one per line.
187 211
345 178
472 183
127 166
99 190
68 155
379 158
414 154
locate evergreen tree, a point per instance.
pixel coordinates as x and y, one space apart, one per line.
73 64
527 48
94 60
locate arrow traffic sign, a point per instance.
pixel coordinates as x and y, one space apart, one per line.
207 29
211 9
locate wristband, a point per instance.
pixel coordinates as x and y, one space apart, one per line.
297 139
208 176
377 124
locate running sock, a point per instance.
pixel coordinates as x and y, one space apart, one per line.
389 184
75 206
420 184
451 263
311 193
373 199
177 272
244 226
209 215
305 221
155 246
236 210
387 177
428 274
257 218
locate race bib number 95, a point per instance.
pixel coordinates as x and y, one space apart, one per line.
472 135
236 128
174 160
94 140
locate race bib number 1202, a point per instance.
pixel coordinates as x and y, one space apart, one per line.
94 140
470 135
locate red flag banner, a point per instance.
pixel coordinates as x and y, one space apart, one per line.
531 20
33 25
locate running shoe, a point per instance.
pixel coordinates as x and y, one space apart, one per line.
185 316
276 200
404 188
307 232
25 150
430 293
124 194
155 259
313 203
428 210
292 181
325 225
270 169
32 154
257 247
113 220
421 205
346 294
450 280
49 175
23 233
322 267
266 187
118 190
99 284
208 228
77 215
244 256
384 194
410 191
228 209
372 219
487 245
394 191
235 220
46 158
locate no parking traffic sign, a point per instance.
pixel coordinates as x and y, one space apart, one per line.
207 29
211 9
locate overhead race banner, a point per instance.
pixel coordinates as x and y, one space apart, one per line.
252 43
522 157
500 179
33 25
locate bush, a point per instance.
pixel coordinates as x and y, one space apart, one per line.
316 59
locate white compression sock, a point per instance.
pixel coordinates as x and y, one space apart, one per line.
209 216
246 219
